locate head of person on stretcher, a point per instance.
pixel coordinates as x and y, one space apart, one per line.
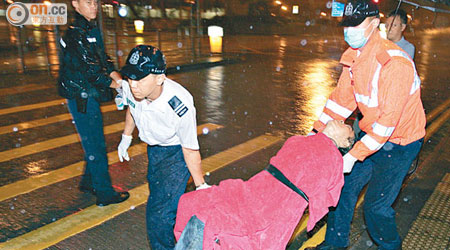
342 135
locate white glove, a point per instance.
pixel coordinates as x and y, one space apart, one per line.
121 82
119 91
122 150
349 162
203 186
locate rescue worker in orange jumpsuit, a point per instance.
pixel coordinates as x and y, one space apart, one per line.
381 80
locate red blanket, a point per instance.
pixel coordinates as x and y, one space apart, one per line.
262 213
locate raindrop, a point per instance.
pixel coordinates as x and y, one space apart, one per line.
12 207
250 133
73 122
233 112
62 103
270 122
434 55
20 139
325 41
245 113
22 211
15 129
84 95
277 69
308 23
329 4
132 207
180 44
205 131
53 219
303 42
120 52
405 199
251 27
91 157
338 234
369 243
419 52
208 173
17 145
178 67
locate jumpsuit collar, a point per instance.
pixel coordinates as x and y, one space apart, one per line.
350 56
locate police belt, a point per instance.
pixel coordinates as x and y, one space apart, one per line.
280 176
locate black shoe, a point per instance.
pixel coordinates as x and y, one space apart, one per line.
325 246
86 189
118 197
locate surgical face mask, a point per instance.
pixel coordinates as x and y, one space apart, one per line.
355 36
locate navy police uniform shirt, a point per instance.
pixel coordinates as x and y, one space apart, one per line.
167 121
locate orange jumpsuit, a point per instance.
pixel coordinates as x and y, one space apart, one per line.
381 80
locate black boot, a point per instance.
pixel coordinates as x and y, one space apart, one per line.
117 197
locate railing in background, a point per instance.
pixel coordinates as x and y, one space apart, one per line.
32 48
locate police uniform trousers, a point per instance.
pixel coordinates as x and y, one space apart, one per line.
384 172
90 129
167 179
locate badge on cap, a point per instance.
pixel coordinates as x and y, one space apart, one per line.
134 58
349 9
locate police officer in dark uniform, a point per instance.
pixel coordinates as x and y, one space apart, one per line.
86 77
164 113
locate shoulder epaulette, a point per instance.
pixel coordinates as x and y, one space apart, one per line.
178 106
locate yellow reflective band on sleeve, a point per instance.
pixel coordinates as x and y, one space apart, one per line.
371 143
382 130
324 118
338 109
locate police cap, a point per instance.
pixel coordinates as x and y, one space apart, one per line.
356 11
142 61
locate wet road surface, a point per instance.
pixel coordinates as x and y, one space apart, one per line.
279 89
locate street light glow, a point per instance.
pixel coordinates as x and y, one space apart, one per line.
48 3
278 2
323 13
123 12
284 8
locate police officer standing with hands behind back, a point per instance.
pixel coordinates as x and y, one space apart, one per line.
380 79
164 114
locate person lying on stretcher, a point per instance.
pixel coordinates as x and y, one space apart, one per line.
262 213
